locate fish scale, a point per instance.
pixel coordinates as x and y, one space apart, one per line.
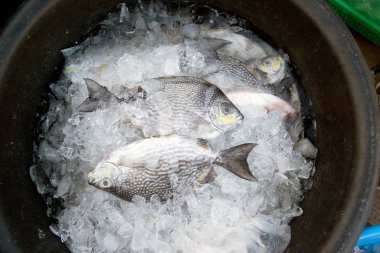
189 99
162 165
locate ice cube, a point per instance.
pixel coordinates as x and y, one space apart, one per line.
191 31
131 68
171 66
67 152
110 242
306 148
63 186
139 240
159 246
85 241
126 230
41 180
191 60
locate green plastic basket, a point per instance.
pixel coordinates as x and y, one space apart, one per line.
361 15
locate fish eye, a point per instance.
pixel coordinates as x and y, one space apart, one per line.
105 183
225 108
267 62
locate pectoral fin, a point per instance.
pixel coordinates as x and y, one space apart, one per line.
206 176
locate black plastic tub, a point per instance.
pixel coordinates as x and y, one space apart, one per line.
332 70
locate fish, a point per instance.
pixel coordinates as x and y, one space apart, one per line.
249 97
163 165
240 47
186 105
173 105
266 76
240 71
266 73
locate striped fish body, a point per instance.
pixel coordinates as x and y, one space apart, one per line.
154 166
182 105
239 71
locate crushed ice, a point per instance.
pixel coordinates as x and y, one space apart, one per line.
228 215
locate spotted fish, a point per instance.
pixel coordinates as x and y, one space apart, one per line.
263 74
162 165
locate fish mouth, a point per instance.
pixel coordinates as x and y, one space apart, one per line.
91 178
240 118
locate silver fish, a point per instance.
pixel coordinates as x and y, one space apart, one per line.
192 102
176 105
249 97
162 165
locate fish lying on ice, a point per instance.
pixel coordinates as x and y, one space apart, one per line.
248 97
174 105
265 75
162 165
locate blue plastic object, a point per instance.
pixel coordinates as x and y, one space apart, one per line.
369 241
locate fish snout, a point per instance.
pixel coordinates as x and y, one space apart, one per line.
91 178
239 118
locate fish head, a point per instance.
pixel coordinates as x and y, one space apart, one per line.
224 115
273 67
104 176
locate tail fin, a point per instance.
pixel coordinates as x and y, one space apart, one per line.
96 95
235 160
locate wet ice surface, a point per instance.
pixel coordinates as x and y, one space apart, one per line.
226 215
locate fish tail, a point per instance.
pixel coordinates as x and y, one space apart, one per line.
96 95
235 160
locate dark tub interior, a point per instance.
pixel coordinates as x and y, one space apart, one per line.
333 73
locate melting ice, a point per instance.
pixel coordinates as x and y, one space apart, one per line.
227 215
